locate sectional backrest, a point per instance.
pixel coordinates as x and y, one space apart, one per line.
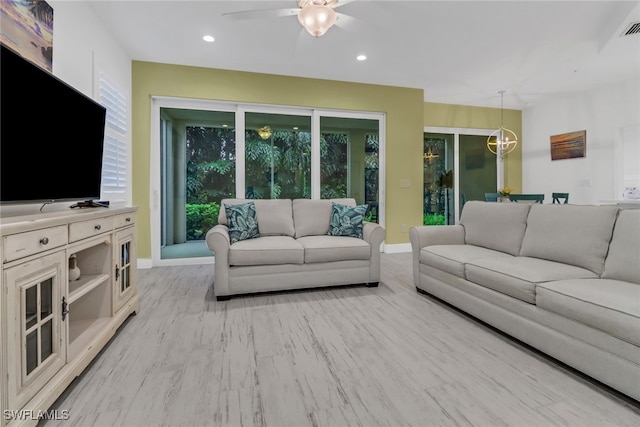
312 217
572 234
274 216
497 226
623 259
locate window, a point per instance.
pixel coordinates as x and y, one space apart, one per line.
205 151
114 161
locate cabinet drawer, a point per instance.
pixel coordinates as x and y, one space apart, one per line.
84 229
124 220
31 242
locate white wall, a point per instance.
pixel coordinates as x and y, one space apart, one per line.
78 38
603 111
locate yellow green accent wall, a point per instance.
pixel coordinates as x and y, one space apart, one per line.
403 108
464 116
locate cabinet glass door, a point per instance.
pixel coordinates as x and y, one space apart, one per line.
38 324
36 316
125 271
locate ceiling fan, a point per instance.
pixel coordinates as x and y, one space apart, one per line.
316 16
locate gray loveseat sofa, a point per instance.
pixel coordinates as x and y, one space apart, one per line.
564 279
294 250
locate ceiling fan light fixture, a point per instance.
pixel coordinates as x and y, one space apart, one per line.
264 132
316 16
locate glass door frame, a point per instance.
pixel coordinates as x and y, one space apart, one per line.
155 167
456 132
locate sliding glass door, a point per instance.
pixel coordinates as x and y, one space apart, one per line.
205 151
277 156
457 167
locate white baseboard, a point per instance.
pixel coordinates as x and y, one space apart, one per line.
148 263
144 263
397 248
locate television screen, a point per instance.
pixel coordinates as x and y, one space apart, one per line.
51 136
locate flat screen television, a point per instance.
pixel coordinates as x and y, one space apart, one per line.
51 136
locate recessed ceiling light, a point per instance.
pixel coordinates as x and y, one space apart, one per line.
295 128
208 38
361 57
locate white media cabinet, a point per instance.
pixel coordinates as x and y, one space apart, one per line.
52 328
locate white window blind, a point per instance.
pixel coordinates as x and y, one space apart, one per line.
114 161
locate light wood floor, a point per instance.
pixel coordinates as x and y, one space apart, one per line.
349 356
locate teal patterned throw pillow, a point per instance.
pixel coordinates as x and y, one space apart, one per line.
242 222
347 220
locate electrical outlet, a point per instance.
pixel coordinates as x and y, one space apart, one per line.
403 228
404 183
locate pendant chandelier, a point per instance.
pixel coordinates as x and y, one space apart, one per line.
502 141
430 155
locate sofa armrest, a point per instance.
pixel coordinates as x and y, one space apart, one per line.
218 241
373 234
428 235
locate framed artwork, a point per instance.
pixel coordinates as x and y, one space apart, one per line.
569 145
26 26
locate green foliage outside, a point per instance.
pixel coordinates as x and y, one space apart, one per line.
277 167
433 219
201 218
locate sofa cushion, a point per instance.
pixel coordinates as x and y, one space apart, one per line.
334 248
624 250
498 226
242 222
518 276
312 217
347 220
613 306
266 250
573 234
452 258
275 216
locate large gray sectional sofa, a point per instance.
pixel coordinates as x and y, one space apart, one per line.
294 250
564 279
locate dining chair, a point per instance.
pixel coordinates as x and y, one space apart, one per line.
557 196
491 197
528 198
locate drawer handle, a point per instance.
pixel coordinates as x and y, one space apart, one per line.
128 219
98 227
44 241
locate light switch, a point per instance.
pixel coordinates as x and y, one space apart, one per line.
404 183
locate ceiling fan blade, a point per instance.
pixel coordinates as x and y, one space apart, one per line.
261 13
343 2
349 23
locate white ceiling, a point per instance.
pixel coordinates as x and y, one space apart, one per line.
459 52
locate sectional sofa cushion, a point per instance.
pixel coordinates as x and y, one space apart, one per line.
612 306
242 221
312 217
573 234
334 248
266 250
622 262
519 276
498 226
274 215
452 258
